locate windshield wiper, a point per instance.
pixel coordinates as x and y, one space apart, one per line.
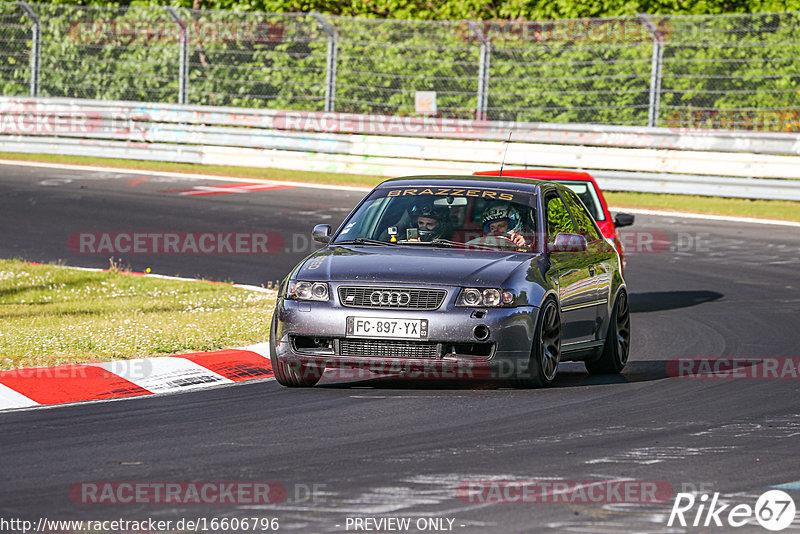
448 243
362 241
435 242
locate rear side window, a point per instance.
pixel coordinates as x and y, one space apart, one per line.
588 195
558 219
584 222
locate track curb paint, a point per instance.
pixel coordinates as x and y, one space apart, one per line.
49 386
66 384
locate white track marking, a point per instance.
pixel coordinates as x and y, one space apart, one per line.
193 176
11 399
160 375
89 168
724 218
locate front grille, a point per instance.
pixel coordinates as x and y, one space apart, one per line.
388 348
388 298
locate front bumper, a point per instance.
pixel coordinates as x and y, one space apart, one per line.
452 349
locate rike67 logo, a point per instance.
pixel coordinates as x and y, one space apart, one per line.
774 510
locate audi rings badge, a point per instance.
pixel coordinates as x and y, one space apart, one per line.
390 298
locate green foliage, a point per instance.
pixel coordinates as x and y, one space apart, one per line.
249 60
473 9
742 68
14 58
382 63
104 54
558 219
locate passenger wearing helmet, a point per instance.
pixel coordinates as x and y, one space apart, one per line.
432 223
502 224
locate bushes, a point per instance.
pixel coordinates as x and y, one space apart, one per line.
474 9
727 71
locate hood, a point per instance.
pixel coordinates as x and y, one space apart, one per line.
408 264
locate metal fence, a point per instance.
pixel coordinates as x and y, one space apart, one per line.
718 72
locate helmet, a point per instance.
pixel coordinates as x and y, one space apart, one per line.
441 215
501 212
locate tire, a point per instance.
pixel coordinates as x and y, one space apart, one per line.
290 375
618 340
546 350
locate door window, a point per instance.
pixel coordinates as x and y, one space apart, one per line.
583 221
558 218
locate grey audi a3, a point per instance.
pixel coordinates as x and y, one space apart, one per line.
469 277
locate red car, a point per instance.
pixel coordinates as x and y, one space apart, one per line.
586 188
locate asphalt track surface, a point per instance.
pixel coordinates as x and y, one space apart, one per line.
391 448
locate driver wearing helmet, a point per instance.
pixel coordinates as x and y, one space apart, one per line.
502 222
432 223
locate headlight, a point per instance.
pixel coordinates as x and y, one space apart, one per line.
471 297
308 291
491 298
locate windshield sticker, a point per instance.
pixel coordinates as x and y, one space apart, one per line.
450 191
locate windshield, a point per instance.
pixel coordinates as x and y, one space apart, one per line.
588 195
472 218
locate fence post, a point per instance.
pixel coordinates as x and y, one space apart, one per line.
655 69
330 67
36 45
183 62
483 72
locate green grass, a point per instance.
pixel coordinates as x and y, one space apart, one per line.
767 209
51 315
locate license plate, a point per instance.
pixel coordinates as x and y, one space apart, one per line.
387 328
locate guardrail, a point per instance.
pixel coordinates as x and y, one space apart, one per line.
657 160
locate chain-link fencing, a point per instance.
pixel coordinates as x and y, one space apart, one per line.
720 72
383 63
732 71
16 40
255 60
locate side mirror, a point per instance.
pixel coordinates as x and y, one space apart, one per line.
566 242
623 219
321 233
